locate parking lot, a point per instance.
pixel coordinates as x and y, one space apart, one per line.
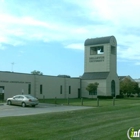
6 110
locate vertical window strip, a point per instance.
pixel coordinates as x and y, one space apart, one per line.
41 89
61 90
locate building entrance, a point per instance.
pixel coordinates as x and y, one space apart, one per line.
1 93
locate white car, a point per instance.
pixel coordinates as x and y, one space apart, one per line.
23 100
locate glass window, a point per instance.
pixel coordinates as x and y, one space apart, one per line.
29 89
113 88
61 90
41 89
69 89
93 92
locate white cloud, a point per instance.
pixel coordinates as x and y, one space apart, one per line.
137 63
124 12
2 47
78 46
100 17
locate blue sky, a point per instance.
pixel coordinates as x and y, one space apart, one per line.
49 35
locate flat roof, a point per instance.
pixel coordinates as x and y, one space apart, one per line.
63 76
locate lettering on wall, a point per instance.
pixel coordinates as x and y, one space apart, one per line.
96 59
4 81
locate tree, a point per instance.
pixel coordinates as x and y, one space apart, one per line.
92 88
35 72
129 87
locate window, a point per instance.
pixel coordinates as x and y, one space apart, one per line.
41 89
113 88
61 89
29 89
69 89
93 92
21 97
113 50
96 50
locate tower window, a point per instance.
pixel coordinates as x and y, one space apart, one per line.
113 50
96 50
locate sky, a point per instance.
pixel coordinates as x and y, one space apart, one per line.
49 35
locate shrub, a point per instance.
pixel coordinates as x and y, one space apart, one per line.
120 96
105 97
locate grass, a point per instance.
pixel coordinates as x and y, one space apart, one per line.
106 122
91 102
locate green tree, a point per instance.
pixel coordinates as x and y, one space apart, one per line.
92 88
35 72
129 87
136 88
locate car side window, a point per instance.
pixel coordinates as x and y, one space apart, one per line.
21 97
16 97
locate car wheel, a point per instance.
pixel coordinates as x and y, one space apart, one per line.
23 104
9 102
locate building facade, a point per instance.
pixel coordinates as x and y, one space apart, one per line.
100 64
40 86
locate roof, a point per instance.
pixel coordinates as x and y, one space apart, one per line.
121 78
64 76
95 75
100 40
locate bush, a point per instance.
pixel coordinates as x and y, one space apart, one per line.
105 97
120 96
131 96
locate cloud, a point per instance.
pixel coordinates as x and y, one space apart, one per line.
78 46
2 47
74 21
137 63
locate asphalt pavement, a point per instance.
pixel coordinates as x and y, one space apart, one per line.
12 110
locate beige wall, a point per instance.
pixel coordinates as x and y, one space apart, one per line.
16 83
104 87
106 62
103 65
100 91
51 87
113 76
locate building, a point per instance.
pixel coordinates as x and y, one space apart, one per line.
99 66
121 78
41 86
138 81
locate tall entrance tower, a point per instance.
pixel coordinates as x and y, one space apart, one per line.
100 65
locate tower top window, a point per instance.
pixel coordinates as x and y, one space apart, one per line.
96 50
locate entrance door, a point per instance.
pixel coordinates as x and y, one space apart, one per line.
1 92
79 93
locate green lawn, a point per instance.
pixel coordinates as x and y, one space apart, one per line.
92 102
106 122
